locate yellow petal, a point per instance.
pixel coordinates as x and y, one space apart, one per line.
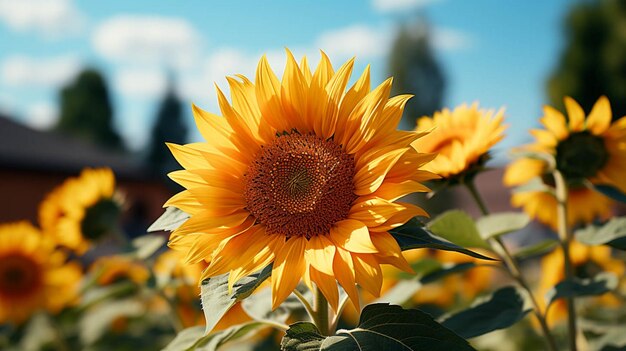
600 116
575 114
288 269
327 285
343 267
555 122
368 273
353 236
522 170
371 175
319 253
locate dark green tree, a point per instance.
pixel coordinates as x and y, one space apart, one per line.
170 127
416 71
86 111
593 62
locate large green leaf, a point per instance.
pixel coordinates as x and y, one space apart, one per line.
502 223
216 300
459 228
500 310
171 219
610 191
302 336
381 327
146 245
598 285
413 236
612 233
536 249
194 338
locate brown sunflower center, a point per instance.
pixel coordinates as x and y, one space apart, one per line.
300 185
100 219
580 156
20 276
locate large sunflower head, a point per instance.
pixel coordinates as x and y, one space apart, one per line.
33 275
585 148
302 172
82 210
587 262
461 138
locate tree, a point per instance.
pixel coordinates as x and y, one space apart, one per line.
86 111
593 62
169 127
415 71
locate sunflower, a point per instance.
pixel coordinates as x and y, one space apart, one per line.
302 174
113 269
461 138
588 148
82 210
587 260
33 275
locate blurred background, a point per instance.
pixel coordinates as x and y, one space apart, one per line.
107 83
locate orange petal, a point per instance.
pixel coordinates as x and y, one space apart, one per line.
288 269
353 236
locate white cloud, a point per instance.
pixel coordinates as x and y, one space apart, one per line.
447 39
400 5
137 82
147 39
19 70
42 115
357 40
50 18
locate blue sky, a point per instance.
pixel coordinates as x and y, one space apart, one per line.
493 51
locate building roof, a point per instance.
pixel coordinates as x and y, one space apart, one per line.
22 147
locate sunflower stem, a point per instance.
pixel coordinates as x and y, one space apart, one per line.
513 269
565 239
321 312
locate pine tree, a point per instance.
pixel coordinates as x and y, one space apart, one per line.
169 127
593 62
415 71
86 111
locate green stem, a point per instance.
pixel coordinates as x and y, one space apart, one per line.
321 313
342 305
513 269
565 239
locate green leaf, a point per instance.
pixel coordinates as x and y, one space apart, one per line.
598 285
500 310
457 227
501 223
412 236
534 185
215 298
302 336
446 269
194 338
381 327
536 249
611 192
536 155
613 339
171 219
611 233
247 288
185 339
97 320
146 245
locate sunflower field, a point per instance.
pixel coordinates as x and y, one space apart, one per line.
299 226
